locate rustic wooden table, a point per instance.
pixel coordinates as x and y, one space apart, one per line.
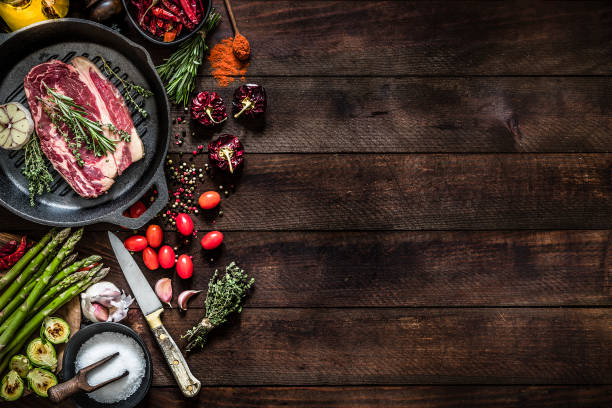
427 211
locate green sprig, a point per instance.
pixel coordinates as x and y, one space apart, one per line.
129 86
62 109
225 296
36 170
179 71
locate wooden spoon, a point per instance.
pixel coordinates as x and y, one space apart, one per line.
238 52
61 391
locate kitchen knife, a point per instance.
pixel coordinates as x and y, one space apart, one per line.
152 308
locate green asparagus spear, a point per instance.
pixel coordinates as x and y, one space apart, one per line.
34 323
69 260
16 320
61 286
23 294
25 260
83 263
18 300
23 278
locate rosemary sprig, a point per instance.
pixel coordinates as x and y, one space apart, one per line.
35 169
179 71
86 132
129 86
225 296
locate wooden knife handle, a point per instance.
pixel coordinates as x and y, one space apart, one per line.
61 391
189 385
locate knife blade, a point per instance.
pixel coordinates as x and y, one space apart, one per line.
152 308
145 296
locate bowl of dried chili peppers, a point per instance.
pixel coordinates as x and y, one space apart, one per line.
166 22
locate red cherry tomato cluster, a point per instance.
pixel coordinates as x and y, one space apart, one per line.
154 237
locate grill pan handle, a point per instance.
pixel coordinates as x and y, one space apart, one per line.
117 217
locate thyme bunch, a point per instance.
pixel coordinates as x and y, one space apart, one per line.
224 297
179 71
36 170
62 109
129 86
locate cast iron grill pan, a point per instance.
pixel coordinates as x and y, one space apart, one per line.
63 40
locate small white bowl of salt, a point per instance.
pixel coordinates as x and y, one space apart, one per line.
97 341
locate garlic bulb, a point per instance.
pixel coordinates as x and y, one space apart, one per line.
104 302
16 126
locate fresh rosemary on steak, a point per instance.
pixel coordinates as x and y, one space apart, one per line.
224 297
129 86
179 71
62 109
36 169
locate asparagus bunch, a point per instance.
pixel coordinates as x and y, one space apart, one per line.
18 342
38 287
68 267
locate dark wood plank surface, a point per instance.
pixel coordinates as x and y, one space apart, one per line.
305 346
411 192
375 396
426 211
396 115
392 38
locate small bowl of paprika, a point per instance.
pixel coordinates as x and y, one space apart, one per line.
167 22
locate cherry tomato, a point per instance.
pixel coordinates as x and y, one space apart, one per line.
166 257
155 235
135 243
212 240
184 224
137 209
149 256
184 267
209 200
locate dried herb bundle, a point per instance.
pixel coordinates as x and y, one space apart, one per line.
225 296
36 169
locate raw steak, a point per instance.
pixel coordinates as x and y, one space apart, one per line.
97 174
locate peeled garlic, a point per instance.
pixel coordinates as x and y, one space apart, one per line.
163 289
184 297
16 126
104 302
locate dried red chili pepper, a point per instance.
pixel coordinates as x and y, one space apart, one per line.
189 11
176 10
7 261
164 14
208 109
226 153
250 101
8 248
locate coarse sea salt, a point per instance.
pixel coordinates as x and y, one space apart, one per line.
131 357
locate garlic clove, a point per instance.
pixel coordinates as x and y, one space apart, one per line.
184 297
100 312
163 289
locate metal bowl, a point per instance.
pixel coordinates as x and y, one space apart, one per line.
72 348
184 35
